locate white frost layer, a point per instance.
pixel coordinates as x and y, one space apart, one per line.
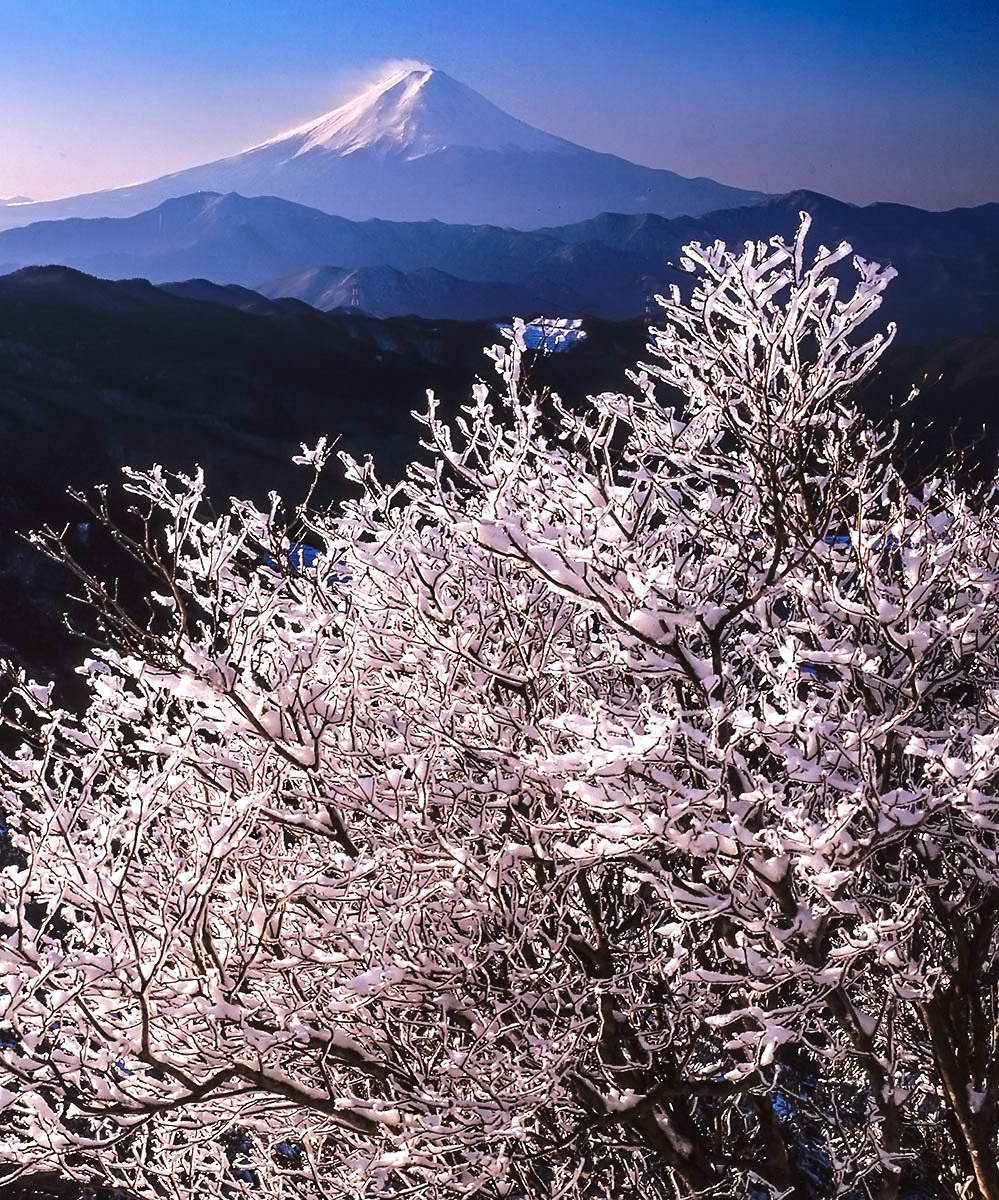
416 112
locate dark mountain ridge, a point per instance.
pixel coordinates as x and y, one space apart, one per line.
95 375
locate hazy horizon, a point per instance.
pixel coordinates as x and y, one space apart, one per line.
900 103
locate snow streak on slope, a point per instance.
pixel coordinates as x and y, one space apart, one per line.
415 112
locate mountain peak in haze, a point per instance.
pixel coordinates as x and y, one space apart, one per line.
419 146
412 112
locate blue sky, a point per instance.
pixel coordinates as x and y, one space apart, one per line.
864 101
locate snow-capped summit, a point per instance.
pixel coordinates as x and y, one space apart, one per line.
418 145
416 111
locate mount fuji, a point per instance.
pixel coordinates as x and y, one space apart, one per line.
419 146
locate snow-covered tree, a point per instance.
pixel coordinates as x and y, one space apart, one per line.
608 810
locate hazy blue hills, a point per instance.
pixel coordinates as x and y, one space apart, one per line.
608 266
387 292
249 241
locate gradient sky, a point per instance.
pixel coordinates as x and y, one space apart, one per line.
858 99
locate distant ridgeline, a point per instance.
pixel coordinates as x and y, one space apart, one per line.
611 266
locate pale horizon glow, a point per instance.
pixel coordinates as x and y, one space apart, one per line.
898 104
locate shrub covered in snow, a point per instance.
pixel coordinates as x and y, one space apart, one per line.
610 810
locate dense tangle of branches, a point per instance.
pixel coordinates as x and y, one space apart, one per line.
608 810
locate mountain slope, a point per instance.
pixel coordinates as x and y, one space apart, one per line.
233 239
382 291
97 374
418 146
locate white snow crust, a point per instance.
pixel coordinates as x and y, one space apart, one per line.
412 113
